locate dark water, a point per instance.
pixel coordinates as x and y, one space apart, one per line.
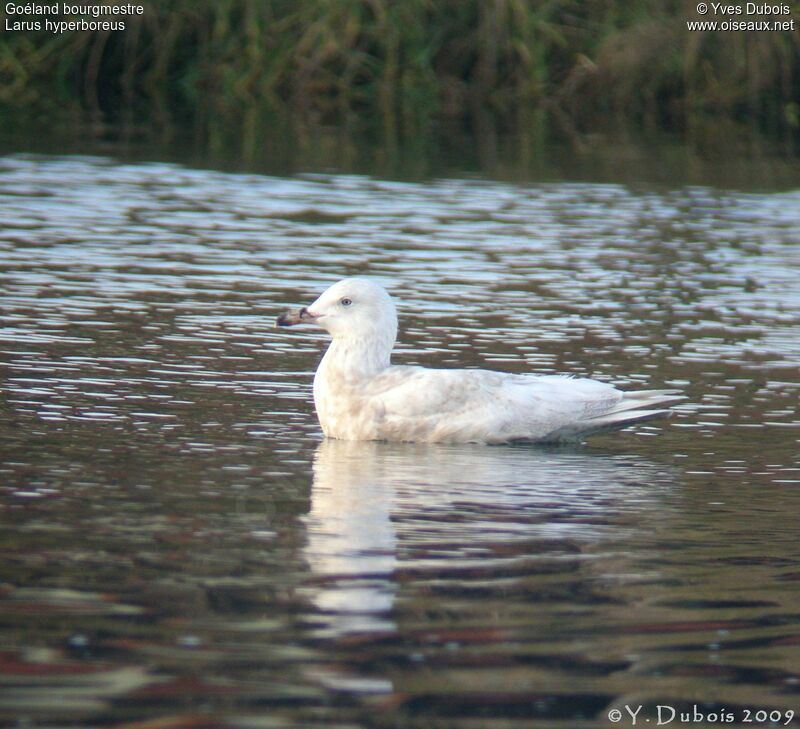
180 547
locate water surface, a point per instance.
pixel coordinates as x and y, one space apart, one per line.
178 542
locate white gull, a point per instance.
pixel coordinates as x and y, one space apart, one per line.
360 395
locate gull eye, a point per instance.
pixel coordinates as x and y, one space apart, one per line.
345 301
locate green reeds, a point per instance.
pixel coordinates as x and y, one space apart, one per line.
404 65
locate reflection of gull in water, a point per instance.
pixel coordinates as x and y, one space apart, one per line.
359 395
351 538
377 508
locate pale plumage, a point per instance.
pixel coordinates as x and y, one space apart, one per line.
359 395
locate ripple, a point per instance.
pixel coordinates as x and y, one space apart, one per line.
168 510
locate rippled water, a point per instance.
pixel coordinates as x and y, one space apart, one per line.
179 544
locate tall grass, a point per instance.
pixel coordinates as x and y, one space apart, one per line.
228 66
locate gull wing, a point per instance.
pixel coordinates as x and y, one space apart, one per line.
479 405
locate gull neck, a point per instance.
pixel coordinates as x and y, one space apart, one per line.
358 357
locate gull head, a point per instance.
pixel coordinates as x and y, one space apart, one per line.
353 308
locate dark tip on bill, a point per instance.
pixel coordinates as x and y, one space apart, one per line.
290 318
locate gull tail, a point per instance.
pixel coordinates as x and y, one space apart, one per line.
635 407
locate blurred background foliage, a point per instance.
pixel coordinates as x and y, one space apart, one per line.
396 69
